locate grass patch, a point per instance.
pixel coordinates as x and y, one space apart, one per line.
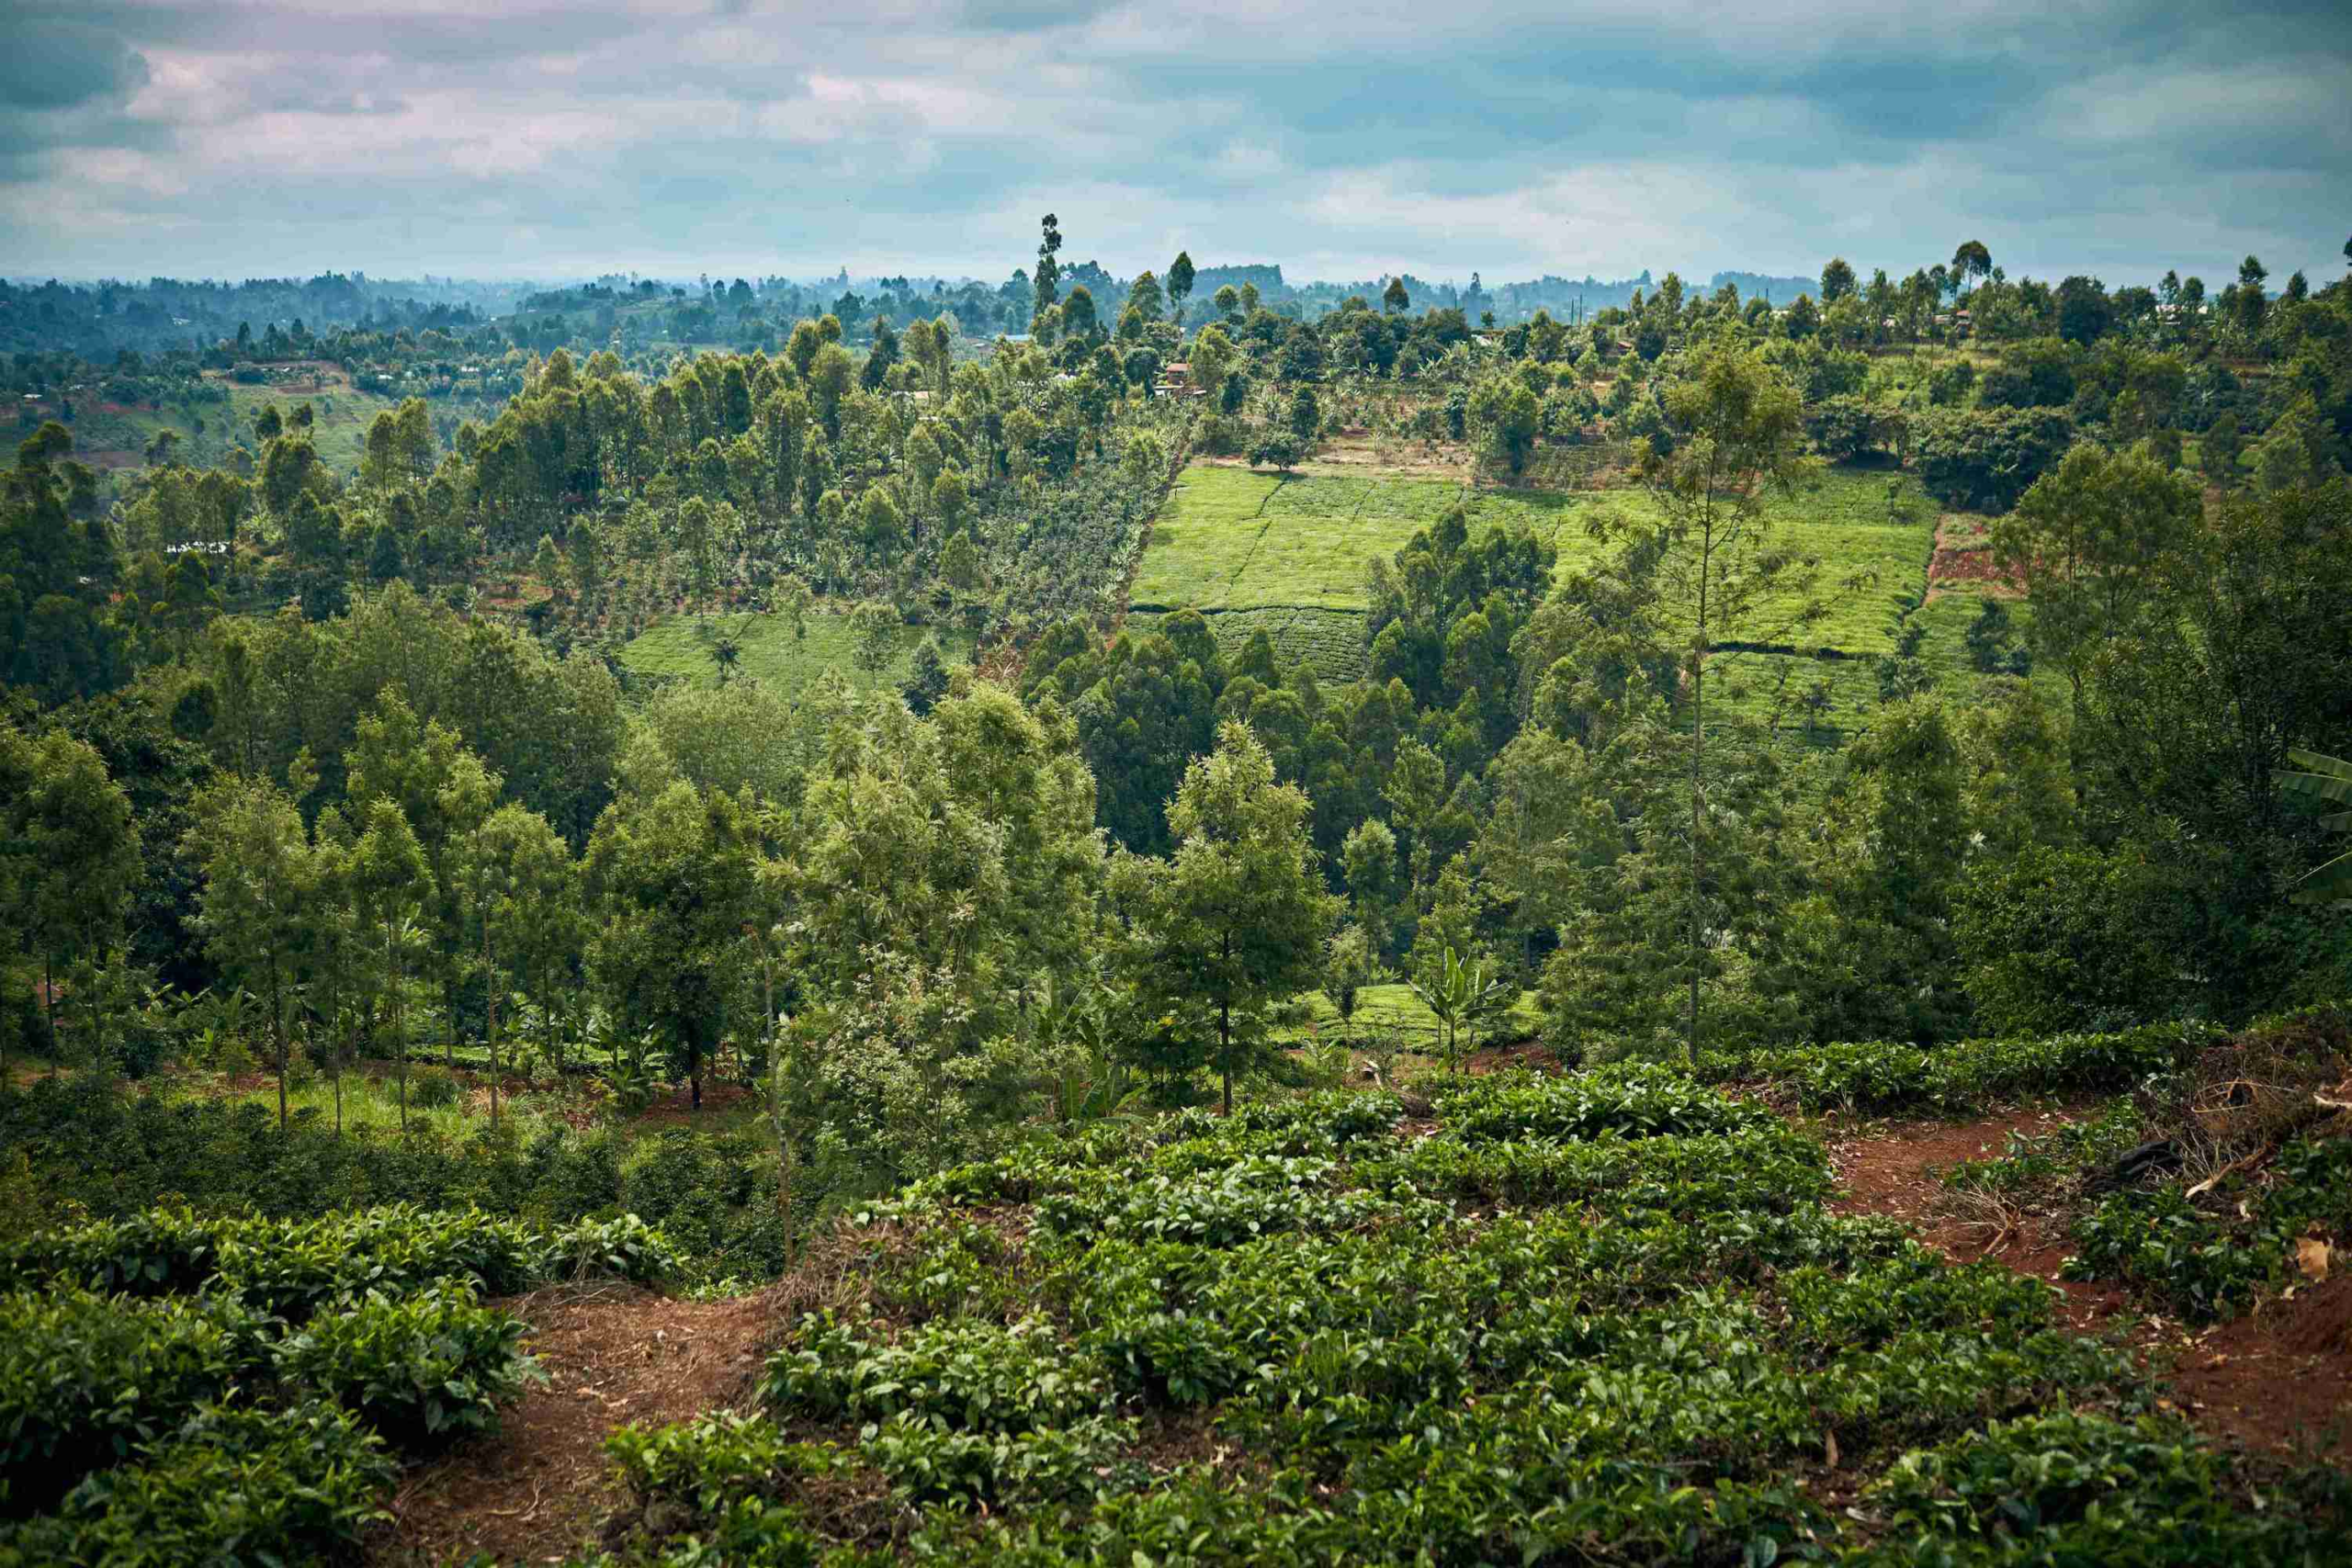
1394 1005
1330 642
1233 539
678 649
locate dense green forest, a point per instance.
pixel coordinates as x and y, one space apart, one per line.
1247 915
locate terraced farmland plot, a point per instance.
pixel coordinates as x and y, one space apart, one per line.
1233 539
1330 642
677 648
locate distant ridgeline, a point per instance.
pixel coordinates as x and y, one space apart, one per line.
99 321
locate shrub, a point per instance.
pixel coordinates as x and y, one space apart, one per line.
1886 1075
1984 459
84 1379
432 1088
622 1248
1632 1099
1048 1464
290 1268
294 1485
708 1464
955 1376
422 1370
160 1253
2020 1477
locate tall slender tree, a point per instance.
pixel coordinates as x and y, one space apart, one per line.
1720 573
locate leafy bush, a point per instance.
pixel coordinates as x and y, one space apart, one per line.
1047 1464
230 1486
2022 1477
84 1379
622 1248
422 1370
162 1252
956 1377
1886 1075
2207 1265
1984 459
432 1088
1769 1167
706 1465
291 1267
1635 1099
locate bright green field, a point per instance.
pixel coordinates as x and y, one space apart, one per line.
1288 555
771 653
1330 642
1396 1007
1233 539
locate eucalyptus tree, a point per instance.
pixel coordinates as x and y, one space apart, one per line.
258 899
1235 921
1721 574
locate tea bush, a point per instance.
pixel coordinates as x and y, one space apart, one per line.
91 1154
1635 1099
708 1464
1599 1319
2211 1263
291 1267
422 1370
230 1486
1893 1076
955 1377
84 1379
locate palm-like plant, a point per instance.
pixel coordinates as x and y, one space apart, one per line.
1460 994
2327 780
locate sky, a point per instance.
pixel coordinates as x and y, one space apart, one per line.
246 138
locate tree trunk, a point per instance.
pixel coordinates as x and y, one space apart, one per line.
49 1006
1697 749
490 1003
1225 1050
278 1033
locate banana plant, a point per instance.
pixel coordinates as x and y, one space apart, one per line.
2328 781
1460 994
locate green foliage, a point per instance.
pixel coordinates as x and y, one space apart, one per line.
292 1270
2216 1260
423 1370
296 1484
84 1379
2065 938
712 1462
432 1088
1984 460
955 1377
1881 1076
1635 1099
2020 1477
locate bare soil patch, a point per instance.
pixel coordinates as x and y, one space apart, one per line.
2276 1384
1964 556
539 1488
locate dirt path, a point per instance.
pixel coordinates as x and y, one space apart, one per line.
2275 1383
539 1487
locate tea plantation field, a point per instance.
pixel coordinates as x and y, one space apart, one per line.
679 649
1595 1319
1288 555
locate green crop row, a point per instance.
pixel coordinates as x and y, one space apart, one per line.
1886 1076
87 1380
291 1267
1601 1318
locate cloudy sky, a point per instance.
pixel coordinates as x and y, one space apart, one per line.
540 140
